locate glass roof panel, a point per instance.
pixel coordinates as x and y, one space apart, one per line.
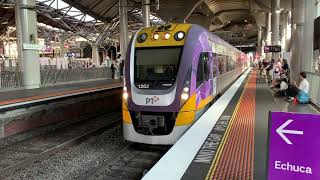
62 6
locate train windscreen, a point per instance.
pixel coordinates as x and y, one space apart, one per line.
156 68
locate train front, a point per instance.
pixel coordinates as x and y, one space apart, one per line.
157 78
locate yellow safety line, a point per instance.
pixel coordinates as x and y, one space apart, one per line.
213 166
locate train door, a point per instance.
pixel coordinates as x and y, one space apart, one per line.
215 72
204 76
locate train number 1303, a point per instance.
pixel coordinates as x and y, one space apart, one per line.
143 86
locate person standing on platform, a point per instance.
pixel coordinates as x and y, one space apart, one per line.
113 69
277 70
263 70
260 65
270 71
285 68
121 67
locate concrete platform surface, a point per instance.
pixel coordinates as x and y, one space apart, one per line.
236 147
18 96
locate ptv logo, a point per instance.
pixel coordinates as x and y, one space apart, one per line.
152 100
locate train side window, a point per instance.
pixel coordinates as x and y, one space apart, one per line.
199 73
222 63
215 65
227 60
230 63
234 61
203 68
206 72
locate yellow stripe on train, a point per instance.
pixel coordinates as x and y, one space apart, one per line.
125 113
188 111
161 41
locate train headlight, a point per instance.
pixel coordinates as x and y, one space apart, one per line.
142 37
186 89
185 93
184 96
179 35
156 36
125 95
166 36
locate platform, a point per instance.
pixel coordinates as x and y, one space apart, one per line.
23 110
230 140
20 97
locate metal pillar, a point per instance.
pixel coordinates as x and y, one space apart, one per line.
275 18
146 13
288 30
62 38
317 9
26 22
259 40
297 38
283 31
123 16
104 55
8 43
268 29
259 35
261 49
268 34
308 33
95 55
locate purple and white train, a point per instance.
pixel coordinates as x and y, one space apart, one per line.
172 74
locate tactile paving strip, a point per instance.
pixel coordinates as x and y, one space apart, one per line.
236 154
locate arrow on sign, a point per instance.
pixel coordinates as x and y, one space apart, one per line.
281 131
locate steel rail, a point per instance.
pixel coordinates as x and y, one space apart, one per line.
70 143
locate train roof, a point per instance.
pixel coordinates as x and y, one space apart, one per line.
223 42
184 27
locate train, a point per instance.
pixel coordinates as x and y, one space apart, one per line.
172 74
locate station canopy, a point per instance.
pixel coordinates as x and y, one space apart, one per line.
236 21
84 18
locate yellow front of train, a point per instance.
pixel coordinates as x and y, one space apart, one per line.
149 97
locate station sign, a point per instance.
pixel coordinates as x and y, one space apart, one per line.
269 49
294 146
28 46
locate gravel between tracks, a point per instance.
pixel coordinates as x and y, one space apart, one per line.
71 163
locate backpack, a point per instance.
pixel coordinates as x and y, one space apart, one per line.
303 97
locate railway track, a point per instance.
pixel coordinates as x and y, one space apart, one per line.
24 153
131 162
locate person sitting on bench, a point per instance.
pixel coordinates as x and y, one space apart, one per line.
301 92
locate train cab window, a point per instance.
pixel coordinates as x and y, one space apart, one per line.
203 72
156 68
